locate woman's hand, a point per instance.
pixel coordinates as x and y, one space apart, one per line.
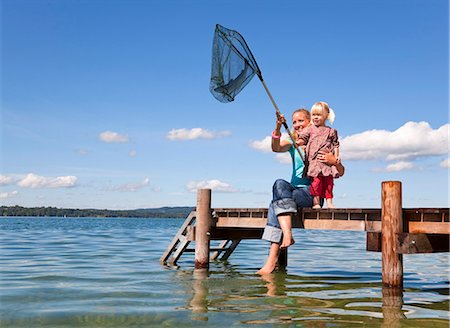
279 145
280 120
328 158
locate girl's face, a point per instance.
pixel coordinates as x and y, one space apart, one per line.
318 117
299 121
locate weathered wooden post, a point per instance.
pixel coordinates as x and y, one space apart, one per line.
202 228
391 224
283 258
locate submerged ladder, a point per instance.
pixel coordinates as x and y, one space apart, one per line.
186 234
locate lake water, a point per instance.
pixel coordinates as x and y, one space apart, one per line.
97 272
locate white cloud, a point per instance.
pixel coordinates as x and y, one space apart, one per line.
195 133
132 153
36 181
445 163
11 194
410 141
6 180
113 137
215 185
399 166
284 158
131 187
265 145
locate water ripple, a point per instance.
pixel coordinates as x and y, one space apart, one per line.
106 272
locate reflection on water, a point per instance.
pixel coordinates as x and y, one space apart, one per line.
392 306
290 299
106 273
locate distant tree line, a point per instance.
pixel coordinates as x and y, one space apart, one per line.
163 212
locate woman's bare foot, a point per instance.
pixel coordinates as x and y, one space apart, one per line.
269 267
316 207
292 242
287 240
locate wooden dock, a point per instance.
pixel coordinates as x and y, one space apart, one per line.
392 230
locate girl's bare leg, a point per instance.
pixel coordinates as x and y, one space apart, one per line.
272 259
286 225
330 203
316 202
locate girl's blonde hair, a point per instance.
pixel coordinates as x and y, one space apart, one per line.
323 107
308 116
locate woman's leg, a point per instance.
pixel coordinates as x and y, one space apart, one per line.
286 226
286 200
274 234
272 259
284 205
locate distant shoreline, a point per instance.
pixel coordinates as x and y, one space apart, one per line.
162 212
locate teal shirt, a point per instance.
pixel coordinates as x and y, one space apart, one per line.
297 168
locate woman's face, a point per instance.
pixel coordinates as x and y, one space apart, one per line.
299 121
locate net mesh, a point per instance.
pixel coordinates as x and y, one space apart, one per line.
233 65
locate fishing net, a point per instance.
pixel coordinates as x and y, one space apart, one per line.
233 65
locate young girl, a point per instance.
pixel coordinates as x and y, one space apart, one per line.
319 137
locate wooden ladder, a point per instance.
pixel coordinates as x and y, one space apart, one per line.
183 238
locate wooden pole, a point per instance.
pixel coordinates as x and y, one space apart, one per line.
391 224
283 259
202 229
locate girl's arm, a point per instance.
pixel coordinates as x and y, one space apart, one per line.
303 137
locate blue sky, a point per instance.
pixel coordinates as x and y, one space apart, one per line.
105 104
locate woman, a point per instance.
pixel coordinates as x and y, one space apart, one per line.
288 197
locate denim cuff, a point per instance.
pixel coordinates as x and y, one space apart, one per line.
284 205
272 234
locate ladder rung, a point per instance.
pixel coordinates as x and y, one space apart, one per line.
212 249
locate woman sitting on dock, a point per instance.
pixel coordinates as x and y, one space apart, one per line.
289 196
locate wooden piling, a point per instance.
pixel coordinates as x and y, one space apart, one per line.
203 227
283 259
391 224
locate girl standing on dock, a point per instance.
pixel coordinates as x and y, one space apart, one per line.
289 196
317 137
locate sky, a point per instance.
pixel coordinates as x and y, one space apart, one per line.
105 104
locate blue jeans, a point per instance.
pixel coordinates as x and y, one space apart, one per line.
285 199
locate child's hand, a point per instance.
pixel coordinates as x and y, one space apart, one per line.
300 143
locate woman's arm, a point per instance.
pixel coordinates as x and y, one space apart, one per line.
278 145
336 154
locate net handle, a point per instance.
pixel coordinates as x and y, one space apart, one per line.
258 72
284 123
